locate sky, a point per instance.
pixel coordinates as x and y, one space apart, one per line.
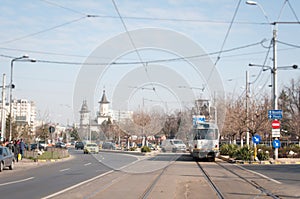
158 54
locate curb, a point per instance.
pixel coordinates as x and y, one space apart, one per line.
231 160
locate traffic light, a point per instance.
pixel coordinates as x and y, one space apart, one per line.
295 66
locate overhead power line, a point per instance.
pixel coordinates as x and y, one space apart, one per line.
292 45
64 7
42 31
144 62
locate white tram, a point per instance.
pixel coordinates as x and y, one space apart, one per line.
204 142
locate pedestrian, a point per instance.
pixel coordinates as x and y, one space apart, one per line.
11 146
22 148
17 150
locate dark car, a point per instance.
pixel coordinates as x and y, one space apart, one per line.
60 145
79 145
35 146
109 145
6 158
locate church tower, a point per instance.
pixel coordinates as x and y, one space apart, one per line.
104 103
84 125
103 109
84 114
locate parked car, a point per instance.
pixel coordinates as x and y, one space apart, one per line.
35 146
6 158
79 145
173 145
60 145
151 146
109 145
91 148
44 145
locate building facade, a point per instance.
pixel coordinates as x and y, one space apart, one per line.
23 116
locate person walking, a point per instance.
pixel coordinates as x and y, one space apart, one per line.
17 150
11 146
22 148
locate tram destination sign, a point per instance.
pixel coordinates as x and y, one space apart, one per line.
274 114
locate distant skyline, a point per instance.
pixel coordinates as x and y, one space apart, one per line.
62 36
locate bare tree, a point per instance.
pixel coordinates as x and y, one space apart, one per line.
289 102
235 120
258 122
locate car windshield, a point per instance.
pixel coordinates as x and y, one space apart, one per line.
177 142
91 145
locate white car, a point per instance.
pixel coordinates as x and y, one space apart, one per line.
91 148
173 145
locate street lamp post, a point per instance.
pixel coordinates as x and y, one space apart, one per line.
11 87
3 121
274 69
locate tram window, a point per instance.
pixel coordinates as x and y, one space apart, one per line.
209 134
200 134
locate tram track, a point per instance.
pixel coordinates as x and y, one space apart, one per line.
210 182
149 189
217 190
251 182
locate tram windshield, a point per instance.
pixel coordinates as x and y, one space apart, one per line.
207 134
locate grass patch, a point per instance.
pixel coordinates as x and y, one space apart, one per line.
55 154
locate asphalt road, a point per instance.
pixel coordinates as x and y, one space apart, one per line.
50 178
60 177
285 174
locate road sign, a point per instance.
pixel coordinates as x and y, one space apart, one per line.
256 139
275 124
275 114
275 133
276 144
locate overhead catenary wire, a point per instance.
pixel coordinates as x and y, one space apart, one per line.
143 62
293 11
85 56
227 33
288 44
42 31
63 7
136 50
225 39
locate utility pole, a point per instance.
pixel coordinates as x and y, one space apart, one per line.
247 114
3 119
274 70
119 129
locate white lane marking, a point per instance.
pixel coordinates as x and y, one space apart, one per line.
64 170
87 164
17 181
77 185
266 177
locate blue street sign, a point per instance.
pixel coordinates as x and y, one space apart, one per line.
256 139
276 144
275 114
